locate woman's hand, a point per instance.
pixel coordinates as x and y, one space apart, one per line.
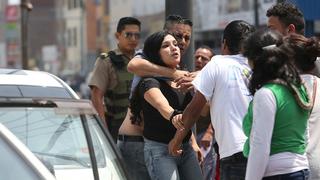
174 147
184 83
197 150
177 122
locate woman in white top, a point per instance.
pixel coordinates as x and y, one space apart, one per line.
306 51
276 121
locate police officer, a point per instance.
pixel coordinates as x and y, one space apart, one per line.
110 82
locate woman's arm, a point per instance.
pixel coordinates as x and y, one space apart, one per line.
264 110
196 148
155 97
142 67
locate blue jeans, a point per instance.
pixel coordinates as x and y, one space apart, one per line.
133 156
233 167
299 175
209 161
162 166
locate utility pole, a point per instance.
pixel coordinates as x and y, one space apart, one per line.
256 13
83 59
183 8
26 7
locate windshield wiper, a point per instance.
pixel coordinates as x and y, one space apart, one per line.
12 102
65 157
61 129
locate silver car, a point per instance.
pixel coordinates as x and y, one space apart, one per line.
63 131
16 157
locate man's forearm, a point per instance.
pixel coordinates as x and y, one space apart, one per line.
191 114
98 104
188 121
99 107
142 67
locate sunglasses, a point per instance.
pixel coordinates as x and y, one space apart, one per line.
129 35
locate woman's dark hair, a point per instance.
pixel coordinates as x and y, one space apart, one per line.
151 50
271 61
306 51
152 46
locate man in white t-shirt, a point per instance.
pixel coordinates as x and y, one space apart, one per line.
222 82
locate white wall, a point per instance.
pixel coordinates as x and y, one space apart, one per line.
216 14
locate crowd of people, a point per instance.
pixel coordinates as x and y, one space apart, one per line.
250 112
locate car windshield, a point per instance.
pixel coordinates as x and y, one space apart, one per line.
58 139
33 91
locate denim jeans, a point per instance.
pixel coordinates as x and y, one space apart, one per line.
299 175
133 156
209 165
209 161
162 166
233 167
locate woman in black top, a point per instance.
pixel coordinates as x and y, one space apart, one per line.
157 100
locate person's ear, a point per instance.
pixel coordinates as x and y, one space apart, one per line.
291 28
223 46
117 35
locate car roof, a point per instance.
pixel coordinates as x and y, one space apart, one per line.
27 77
27 83
69 106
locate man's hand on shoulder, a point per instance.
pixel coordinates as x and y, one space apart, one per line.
179 74
185 82
193 74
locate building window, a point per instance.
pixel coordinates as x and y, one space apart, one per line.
69 37
74 36
69 4
106 7
72 4
75 3
99 27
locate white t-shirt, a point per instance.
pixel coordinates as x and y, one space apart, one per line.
313 148
223 82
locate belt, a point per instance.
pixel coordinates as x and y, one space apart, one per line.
129 138
237 157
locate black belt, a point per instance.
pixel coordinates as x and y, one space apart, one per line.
237 157
129 138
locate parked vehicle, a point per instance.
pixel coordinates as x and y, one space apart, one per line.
17 161
33 84
64 132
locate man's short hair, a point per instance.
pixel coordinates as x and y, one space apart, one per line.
127 21
234 34
175 19
288 14
207 48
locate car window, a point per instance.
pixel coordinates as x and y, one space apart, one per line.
33 91
11 163
58 139
109 165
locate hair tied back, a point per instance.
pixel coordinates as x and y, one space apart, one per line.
269 47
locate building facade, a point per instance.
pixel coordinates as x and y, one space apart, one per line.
66 36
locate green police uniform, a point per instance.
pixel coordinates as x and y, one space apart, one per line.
111 76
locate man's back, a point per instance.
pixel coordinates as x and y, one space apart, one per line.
229 98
